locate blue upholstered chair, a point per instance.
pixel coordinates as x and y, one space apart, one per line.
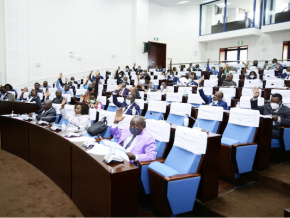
238 149
174 183
284 141
156 110
209 118
178 111
161 132
112 108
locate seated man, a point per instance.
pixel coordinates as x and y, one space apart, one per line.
123 91
213 70
64 90
45 86
129 105
58 97
286 75
147 85
216 99
254 66
159 68
46 113
196 68
134 92
276 65
72 79
138 143
163 88
279 112
175 79
138 69
229 79
190 81
32 97
10 89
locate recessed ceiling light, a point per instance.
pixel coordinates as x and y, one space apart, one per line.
182 2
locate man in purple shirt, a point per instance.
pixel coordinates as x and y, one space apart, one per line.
137 141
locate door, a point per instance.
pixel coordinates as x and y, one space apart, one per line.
157 55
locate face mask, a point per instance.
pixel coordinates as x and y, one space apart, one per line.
90 89
189 80
134 131
215 102
288 73
274 106
93 101
130 93
128 102
161 87
252 76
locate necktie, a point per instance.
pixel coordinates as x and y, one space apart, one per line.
129 144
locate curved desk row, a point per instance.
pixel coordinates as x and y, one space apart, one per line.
98 189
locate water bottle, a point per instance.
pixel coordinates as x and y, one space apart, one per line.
134 111
186 121
63 127
33 117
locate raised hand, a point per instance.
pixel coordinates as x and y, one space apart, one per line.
47 93
256 92
63 101
118 116
60 75
91 72
82 98
66 80
247 63
225 66
118 88
97 73
87 78
208 60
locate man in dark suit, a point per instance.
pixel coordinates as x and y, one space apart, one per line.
129 106
47 112
123 92
279 112
216 99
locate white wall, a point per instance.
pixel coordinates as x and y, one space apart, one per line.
2 43
43 33
178 27
263 47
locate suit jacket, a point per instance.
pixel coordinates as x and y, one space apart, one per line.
124 106
125 93
144 145
209 100
48 116
175 80
283 113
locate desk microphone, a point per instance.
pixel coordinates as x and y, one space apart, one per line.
195 120
152 113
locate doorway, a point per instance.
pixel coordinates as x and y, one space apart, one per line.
234 54
157 55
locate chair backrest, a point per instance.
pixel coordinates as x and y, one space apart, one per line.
92 114
111 82
228 91
174 97
178 111
209 118
185 90
67 96
243 121
187 150
110 116
251 83
195 99
103 100
249 92
111 88
245 101
160 130
210 82
277 83
154 96
80 91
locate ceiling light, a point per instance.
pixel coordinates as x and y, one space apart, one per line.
182 2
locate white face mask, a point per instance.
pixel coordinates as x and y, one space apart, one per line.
214 102
274 106
252 76
288 73
189 80
93 101
128 102
161 87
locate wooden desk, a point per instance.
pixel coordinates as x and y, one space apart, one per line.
98 189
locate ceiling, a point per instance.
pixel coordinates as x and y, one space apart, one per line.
168 3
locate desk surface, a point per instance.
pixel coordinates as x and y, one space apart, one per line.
98 189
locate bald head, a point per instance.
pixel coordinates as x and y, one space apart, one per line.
229 77
47 104
138 122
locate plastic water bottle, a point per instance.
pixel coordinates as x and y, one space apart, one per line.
63 127
33 117
186 121
133 111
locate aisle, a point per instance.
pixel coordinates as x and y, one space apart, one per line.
25 191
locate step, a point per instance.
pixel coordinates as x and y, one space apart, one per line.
253 200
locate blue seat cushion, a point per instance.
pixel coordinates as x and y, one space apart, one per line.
275 143
229 141
162 169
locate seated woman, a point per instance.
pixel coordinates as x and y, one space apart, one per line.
92 101
32 97
252 75
80 120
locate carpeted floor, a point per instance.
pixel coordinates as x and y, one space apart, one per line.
25 191
279 172
252 201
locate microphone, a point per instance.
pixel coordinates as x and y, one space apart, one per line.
152 113
195 120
